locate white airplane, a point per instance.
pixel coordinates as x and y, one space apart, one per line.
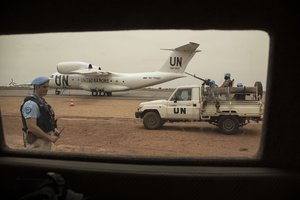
81 75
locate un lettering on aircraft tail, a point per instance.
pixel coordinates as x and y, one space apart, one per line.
180 58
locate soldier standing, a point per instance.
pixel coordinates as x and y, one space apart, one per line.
39 123
227 82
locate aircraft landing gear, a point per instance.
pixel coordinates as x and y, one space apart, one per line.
100 93
94 93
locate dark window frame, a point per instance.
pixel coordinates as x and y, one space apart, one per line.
275 174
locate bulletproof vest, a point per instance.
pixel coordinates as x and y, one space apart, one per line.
46 121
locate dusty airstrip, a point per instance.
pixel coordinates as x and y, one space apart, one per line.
107 125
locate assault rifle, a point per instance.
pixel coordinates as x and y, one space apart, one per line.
59 132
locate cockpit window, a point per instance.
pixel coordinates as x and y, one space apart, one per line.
111 91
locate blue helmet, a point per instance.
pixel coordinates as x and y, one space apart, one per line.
227 75
211 82
40 80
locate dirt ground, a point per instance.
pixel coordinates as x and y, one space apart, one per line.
108 126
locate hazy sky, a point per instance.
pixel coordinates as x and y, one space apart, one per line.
242 53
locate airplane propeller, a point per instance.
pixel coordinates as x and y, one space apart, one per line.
12 83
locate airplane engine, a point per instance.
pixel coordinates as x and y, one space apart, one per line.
70 67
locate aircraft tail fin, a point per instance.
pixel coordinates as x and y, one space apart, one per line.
179 58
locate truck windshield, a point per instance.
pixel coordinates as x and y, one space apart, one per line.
182 95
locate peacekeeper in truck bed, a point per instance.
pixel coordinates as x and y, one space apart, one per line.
227 81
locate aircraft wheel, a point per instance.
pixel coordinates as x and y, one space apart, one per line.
108 94
101 93
94 93
57 92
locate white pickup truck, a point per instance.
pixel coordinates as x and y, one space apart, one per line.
226 107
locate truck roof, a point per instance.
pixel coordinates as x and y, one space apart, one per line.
188 86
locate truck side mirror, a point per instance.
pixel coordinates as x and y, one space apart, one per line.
175 98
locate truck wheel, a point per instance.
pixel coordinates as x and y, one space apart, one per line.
228 124
259 86
152 120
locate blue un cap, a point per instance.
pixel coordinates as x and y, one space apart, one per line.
40 80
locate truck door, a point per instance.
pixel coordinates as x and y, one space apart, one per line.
182 106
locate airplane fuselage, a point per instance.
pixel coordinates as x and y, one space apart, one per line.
85 76
109 83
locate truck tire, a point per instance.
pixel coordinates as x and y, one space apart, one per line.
152 120
228 124
259 86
